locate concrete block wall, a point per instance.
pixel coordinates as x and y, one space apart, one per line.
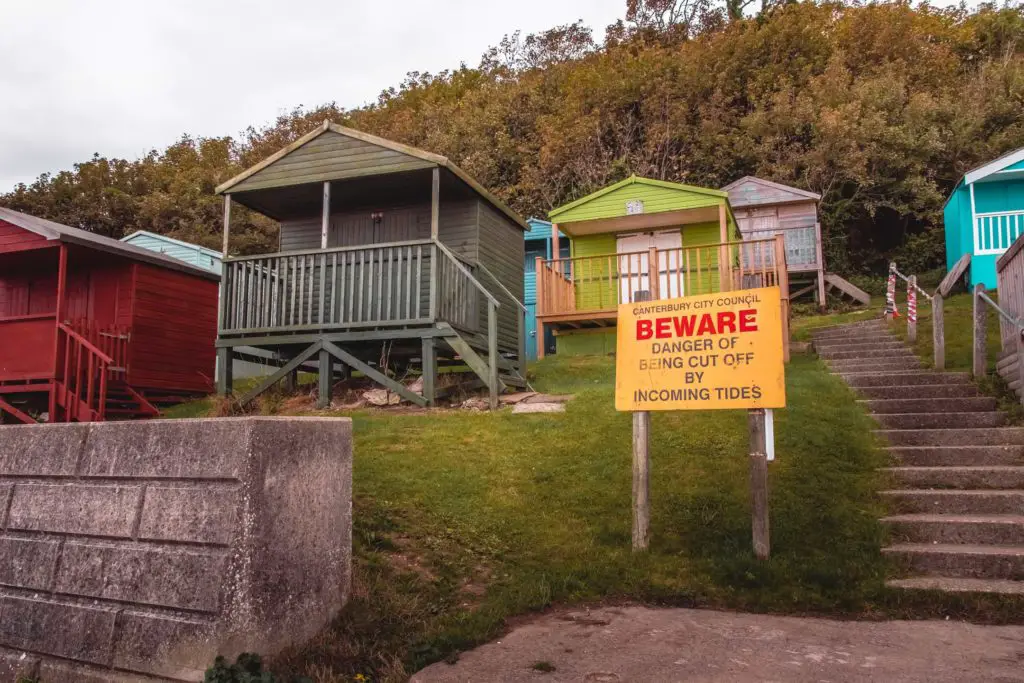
140 551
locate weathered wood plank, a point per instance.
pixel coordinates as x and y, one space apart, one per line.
980 342
284 372
759 485
938 332
374 374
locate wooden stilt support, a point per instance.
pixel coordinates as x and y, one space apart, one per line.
759 484
326 380
641 480
429 370
225 376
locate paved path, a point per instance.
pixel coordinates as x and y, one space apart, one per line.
637 644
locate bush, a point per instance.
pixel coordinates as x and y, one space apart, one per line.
248 668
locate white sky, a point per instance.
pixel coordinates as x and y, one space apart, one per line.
123 77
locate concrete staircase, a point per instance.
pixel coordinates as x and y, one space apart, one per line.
957 501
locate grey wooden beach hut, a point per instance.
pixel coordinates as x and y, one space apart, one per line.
387 253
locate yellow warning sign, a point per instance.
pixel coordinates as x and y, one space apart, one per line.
705 352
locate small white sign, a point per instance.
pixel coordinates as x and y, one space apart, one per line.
769 434
634 207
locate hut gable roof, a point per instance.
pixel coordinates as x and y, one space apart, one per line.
656 196
752 191
333 152
65 233
1007 162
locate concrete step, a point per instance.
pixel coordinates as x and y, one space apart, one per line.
991 436
960 477
955 502
864 372
951 585
858 344
930 405
964 529
959 561
874 325
919 391
957 456
865 353
888 379
940 420
877 364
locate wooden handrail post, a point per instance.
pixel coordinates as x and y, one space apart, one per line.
938 333
435 265
782 278
540 307
653 274
980 335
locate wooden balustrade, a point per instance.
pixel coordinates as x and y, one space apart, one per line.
83 379
385 284
111 340
599 283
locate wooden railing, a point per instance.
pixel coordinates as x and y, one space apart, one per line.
112 340
1010 276
600 283
457 291
385 284
83 379
938 316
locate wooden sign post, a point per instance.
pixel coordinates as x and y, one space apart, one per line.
759 482
705 352
641 479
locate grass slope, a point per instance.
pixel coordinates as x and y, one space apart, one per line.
463 520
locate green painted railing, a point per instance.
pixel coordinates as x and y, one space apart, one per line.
395 284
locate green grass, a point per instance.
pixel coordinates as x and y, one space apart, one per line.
463 520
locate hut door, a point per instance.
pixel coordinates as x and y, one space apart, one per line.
635 267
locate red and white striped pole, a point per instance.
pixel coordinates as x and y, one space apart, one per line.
890 294
912 309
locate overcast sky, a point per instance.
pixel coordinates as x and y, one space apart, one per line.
122 77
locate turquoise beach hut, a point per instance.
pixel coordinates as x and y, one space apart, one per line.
985 214
538 244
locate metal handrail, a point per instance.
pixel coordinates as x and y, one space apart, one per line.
1002 313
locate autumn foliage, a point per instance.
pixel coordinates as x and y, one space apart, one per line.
881 108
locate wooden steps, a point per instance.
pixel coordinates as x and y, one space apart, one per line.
956 516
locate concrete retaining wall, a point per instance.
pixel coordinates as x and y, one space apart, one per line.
130 551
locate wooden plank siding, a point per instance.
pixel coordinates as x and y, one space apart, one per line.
174 327
13 238
330 156
501 252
